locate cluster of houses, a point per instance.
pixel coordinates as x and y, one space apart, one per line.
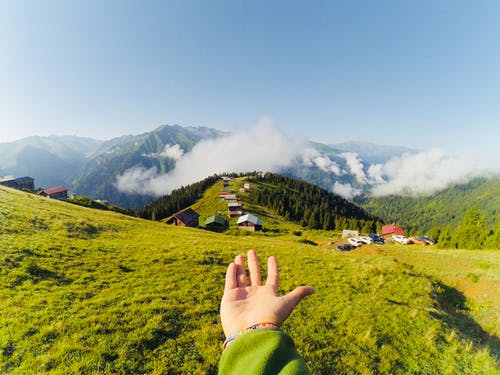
218 223
393 232
27 183
387 231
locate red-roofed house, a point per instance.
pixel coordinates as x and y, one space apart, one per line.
392 229
59 192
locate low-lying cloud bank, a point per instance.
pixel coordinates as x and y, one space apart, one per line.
425 172
345 190
174 152
311 157
262 147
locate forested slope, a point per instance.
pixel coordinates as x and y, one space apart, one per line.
308 204
288 198
447 207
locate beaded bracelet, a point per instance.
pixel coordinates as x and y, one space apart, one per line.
230 338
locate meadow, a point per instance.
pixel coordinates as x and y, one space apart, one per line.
96 292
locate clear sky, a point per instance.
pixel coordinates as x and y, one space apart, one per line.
418 73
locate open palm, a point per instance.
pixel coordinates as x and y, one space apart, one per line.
248 302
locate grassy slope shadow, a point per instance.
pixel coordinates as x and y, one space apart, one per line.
453 311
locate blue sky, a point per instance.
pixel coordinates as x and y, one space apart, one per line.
423 74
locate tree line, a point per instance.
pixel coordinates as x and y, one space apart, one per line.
177 200
449 206
472 233
309 205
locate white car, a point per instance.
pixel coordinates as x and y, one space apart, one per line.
355 241
366 239
400 239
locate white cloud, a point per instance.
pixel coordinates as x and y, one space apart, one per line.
136 180
355 166
345 190
424 173
263 147
312 157
259 147
375 173
174 152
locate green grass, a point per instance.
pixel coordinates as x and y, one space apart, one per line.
211 204
88 292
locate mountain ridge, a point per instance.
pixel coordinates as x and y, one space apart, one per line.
446 207
52 160
94 170
275 196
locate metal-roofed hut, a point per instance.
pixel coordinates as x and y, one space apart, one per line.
250 222
234 209
216 223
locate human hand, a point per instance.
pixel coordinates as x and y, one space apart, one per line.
247 303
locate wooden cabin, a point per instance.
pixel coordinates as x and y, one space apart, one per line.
216 223
250 222
20 183
186 218
59 193
234 209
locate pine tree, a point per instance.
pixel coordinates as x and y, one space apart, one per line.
313 222
493 240
472 231
434 232
445 236
367 226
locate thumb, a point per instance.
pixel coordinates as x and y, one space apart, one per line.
295 296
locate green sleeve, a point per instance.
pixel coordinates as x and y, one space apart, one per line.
263 351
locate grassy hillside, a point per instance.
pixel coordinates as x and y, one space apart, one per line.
87 291
210 204
275 198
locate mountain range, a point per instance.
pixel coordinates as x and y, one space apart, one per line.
53 160
91 168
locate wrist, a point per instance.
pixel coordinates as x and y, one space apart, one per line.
234 335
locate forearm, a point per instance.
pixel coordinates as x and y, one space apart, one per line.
263 351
